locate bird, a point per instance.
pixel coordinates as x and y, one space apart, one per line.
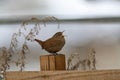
53 44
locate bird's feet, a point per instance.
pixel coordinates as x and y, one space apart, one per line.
55 54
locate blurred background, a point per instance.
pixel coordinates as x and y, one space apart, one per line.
62 9
87 24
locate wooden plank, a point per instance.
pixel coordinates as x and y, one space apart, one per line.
52 62
60 62
44 61
65 75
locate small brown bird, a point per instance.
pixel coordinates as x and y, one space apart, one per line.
53 44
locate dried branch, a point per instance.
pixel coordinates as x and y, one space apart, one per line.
74 61
6 55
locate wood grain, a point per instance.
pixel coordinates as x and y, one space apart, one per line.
52 62
44 60
65 75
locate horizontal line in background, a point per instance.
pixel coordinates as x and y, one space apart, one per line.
86 20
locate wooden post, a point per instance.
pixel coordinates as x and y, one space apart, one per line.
52 62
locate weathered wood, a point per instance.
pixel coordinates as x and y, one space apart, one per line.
52 62
44 63
65 75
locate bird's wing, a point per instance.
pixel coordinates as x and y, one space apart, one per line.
55 45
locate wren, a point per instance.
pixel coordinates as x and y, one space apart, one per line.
53 44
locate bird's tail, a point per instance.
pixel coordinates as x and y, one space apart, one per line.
40 42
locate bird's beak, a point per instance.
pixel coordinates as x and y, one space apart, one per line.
64 35
63 31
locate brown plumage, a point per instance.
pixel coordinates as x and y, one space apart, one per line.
53 44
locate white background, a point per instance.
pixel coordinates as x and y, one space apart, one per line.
64 9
